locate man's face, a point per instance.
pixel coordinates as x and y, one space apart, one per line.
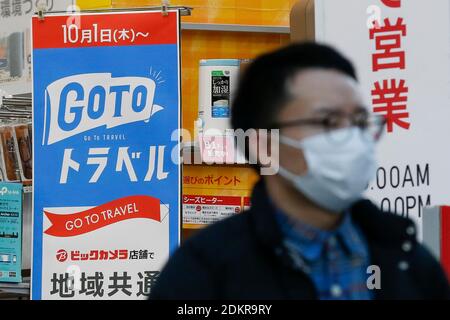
318 94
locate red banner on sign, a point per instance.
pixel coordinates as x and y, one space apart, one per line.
445 239
97 30
133 207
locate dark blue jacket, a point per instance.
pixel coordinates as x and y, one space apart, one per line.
243 258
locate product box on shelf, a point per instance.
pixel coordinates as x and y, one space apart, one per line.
9 163
24 151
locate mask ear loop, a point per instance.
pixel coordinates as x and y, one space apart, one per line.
367 136
299 146
291 142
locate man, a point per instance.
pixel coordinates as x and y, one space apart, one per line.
309 234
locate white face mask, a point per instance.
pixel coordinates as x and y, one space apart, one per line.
340 166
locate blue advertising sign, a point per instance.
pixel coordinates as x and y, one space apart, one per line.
107 173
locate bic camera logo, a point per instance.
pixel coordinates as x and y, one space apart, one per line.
79 103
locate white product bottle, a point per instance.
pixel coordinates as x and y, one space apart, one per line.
218 81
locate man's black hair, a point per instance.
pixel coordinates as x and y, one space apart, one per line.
263 87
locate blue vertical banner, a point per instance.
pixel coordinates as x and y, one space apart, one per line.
11 232
107 172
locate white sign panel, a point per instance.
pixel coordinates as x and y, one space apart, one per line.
401 51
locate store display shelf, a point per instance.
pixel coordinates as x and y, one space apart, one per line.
15 289
235 28
194 226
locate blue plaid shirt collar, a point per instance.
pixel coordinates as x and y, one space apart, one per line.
311 241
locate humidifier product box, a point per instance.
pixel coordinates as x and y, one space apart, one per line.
218 80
